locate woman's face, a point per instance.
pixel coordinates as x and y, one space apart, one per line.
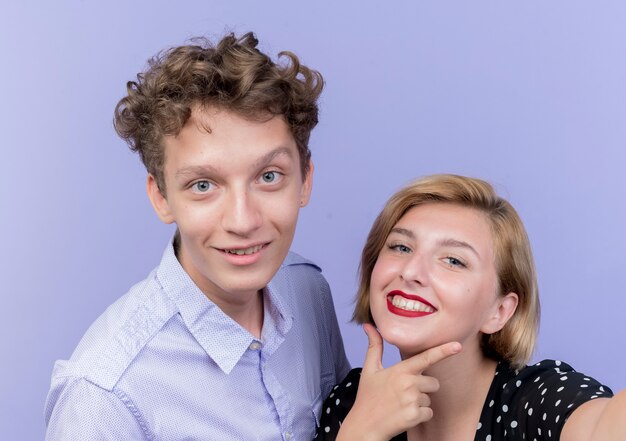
435 280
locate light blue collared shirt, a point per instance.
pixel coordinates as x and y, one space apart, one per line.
165 363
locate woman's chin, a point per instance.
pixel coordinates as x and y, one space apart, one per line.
406 344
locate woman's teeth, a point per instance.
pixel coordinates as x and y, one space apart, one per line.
410 305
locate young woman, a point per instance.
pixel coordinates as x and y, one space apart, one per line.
447 276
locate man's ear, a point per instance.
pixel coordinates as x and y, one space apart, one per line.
158 201
504 309
307 186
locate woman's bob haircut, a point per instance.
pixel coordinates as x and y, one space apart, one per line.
515 266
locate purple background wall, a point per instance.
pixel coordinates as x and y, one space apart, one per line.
530 96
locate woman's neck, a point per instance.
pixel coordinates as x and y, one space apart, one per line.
464 381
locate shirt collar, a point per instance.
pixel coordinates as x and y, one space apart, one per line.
223 339
277 317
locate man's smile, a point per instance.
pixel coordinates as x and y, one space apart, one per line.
244 251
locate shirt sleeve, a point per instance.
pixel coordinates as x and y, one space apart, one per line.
342 365
79 410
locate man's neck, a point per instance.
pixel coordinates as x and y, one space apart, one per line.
251 318
247 310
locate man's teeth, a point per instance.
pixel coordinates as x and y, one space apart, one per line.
410 305
243 251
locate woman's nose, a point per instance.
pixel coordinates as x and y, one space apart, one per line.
415 270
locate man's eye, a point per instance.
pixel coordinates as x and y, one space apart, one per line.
201 186
270 177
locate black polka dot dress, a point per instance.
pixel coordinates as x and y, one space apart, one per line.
527 405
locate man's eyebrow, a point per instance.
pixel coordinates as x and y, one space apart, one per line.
201 170
269 157
195 170
448 242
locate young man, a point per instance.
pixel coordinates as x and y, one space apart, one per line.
231 336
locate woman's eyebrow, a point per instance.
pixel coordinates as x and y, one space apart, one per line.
447 242
403 232
455 243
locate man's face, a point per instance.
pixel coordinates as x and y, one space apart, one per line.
234 191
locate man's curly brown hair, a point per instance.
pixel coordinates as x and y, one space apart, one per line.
232 75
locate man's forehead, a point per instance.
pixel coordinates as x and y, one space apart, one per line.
204 116
216 139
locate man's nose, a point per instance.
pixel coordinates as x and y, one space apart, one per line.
242 214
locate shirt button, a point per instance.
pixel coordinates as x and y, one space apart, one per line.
288 435
255 345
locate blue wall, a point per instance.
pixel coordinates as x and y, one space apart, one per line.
529 95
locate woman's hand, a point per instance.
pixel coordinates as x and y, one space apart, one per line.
392 400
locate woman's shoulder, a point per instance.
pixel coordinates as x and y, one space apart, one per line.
537 398
354 374
547 377
561 375
337 405
345 390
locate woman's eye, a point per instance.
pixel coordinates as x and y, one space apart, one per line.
453 261
270 177
201 186
400 248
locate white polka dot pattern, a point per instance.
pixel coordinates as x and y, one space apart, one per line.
535 401
532 403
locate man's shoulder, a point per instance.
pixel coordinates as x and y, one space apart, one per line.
299 285
295 259
118 335
299 273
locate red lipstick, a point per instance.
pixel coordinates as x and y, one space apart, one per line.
406 313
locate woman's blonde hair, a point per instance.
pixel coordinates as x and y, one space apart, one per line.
515 266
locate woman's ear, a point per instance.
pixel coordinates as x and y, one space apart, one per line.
504 308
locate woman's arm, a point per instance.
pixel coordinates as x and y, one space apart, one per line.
602 419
